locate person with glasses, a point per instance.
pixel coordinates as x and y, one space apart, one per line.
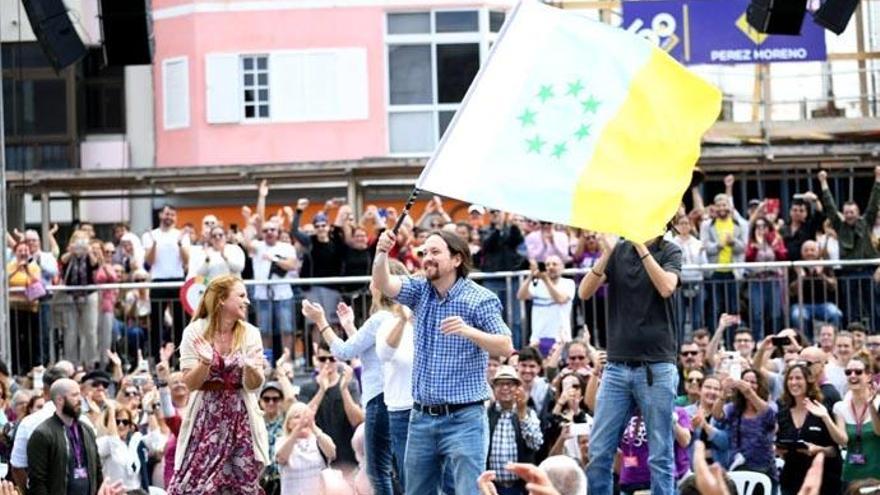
815 359
692 387
805 428
690 360
514 431
334 397
272 260
744 342
216 256
121 449
858 415
272 403
567 403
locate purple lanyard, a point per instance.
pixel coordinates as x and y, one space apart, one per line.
76 444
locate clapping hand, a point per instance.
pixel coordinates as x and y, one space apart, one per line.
347 375
345 314
203 349
254 359
312 311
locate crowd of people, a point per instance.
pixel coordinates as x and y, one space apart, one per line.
402 387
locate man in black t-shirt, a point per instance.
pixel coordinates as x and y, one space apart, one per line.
641 369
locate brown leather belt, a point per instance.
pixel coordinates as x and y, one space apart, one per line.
219 386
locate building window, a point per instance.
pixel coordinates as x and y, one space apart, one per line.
175 93
255 86
103 93
432 59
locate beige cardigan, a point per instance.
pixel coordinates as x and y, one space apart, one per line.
188 360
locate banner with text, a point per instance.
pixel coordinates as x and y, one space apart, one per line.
716 32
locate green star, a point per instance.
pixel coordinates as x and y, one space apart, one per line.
545 93
535 144
527 117
582 132
559 150
575 88
590 104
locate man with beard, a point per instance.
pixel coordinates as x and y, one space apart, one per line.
64 456
724 239
166 250
457 325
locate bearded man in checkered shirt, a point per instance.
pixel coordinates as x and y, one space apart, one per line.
457 325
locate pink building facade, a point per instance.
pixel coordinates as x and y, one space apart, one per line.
258 82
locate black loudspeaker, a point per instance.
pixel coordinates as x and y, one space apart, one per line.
127 26
54 32
834 15
777 16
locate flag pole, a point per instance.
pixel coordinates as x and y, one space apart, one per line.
409 203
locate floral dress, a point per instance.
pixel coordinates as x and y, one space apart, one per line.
220 457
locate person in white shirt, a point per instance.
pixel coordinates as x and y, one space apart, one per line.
304 452
395 348
215 257
118 443
48 270
551 296
167 254
693 252
273 259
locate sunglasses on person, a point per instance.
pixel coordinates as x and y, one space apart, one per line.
132 393
271 398
689 353
854 372
698 379
320 225
575 357
324 359
123 422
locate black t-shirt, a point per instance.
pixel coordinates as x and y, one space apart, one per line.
640 326
325 257
331 419
796 463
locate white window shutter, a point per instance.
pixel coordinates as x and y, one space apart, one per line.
352 84
287 99
222 88
175 93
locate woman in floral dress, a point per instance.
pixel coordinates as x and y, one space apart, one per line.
222 446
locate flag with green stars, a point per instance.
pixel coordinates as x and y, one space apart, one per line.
576 122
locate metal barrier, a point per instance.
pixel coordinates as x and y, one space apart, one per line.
70 322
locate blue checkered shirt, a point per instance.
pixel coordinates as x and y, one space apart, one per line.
504 441
450 369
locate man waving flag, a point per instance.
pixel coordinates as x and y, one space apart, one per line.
576 122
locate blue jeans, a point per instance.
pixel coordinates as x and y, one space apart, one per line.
622 389
802 316
499 287
275 317
398 422
765 307
377 445
460 439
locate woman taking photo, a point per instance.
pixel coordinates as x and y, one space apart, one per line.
751 421
222 446
857 414
304 452
805 428
24 318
